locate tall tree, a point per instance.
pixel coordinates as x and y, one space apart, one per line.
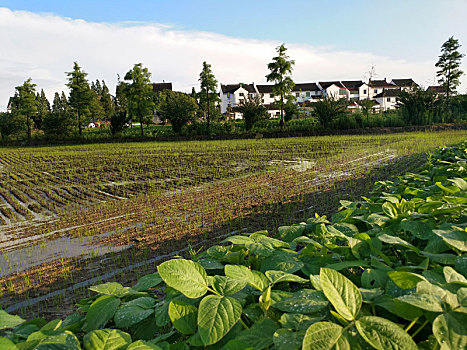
25 96
449 66
281 71
139 94
178 108
207 95
80 94
106 101
43 107
252 109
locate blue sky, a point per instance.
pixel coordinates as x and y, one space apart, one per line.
335 40
393 28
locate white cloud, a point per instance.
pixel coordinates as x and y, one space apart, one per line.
44 46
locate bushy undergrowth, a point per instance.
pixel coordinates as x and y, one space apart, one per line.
386 272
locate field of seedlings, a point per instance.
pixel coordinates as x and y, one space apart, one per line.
72 216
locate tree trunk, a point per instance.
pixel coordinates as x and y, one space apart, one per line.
79 124
281 121
208 119
141 126
28 125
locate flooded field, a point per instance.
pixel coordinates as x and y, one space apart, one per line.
73 215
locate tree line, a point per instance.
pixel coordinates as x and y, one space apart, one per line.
135 101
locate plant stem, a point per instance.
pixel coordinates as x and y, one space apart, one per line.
243 324
420 328
411 324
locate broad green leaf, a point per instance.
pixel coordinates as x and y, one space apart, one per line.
419 229
7 344
459 182
298 322
142 345
216 316
210 264
462 297
397 241
183 316
389 210
454 238
148 281
106 339
346 264
51 339
255 279
134 312
450 330
289 233
397 307
286 339
282 261
383 334
101 311
259 335
9 321
405 280
111 288
452 276
186 276
281 276
341 292
226 286
325 336
423 301
305 301
239 240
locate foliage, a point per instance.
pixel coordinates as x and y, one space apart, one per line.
178 108
57 125
417 106
253 110
10 123
26 104
43 107
118 122
449 66
328 109
386 272
366 105
207 95
81 96
281 70
291 109
139 94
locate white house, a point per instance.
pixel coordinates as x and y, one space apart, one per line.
377 87
266 94
232 94
406 84
333 89
387 99
358 90
305 92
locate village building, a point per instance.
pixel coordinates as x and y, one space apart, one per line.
357 89
406 84
232 94
333 89
387 99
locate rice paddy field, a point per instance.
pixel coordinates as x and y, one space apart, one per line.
73 216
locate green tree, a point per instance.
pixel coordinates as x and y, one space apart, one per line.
252 109
106 101
10 123
139 94
178 108
291 109
81 97
417 106
281 70
366 105
328 109
449 66
207 95
26 104
43 108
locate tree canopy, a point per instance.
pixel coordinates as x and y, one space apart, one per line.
81 97
207 95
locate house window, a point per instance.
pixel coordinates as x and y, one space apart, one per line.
297 94
376 91
308 94
241 94
388 99
262 101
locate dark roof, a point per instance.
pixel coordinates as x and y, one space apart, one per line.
388 93
352 84
157 87
234 87
381 83
437 88
408 82
326 84
306 87
264 89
